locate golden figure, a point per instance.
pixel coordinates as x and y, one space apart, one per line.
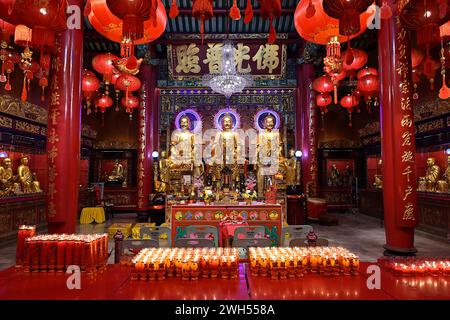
8 184
117 173
292 169
182 145
432 175
444 184
163 184
378 184
269 152
225 153
26 178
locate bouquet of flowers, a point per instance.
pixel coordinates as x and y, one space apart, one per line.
207 195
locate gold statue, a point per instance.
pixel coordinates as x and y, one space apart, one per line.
163 184
292 169
26 178
182 145
269 150
117 173
444 184
431 175
225 151
8 184
378 184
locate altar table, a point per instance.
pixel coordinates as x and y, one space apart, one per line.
267 215
91 214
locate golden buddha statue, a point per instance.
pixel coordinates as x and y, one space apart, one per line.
182 144
292 169
117 173
431 175
225 151
444 184
27 179
269 151
163 183
8 184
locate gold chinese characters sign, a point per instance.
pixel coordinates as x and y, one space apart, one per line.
192 61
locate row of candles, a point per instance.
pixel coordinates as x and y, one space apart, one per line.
416 265
186 263
292 262
56 252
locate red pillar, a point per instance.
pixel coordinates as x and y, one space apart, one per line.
397 137
306 126
64 132
147 142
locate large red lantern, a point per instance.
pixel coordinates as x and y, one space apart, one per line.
110 25
349 102
271 9
130 103
369 86
322 101
316 26
202 10
323 84
89 85
104 63
366 71
127 83
357 61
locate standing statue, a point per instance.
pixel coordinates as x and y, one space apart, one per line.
446 178
347 176
163 183
292 169
334 177
268 151
182 144
432 175
26 178
8 184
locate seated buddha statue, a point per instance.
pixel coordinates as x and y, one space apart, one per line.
446 178
432 175
8 184
27 179
117 173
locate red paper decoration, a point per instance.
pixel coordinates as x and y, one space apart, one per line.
104 63
349 102
127 83
174 12
248 12
271 9
320 27
202 10
235 13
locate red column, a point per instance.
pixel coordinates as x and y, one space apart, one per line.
397 137
64 132
306 137
147 141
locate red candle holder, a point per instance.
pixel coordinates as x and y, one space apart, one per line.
23 233
60 253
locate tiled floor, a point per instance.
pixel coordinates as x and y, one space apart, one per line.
359 233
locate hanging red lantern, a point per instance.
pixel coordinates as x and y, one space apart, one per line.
270 9
29 68
349 102
104 102
130 103
127 83
22 35
366 71
417 57
89 85
369 86
104 63
174 12
323 100
323 84
115 76
248 12
359 59
110 25
319 27
235 13
202 10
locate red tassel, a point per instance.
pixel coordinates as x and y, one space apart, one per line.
248 12
310 11
174 12
8 85
335 94
272 32
235 13
24 89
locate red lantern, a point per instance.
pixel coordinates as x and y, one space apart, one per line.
323 84
323 100
104 63
89 84
202 10
130 103
22 35
104 102
110 26
349 102
271 9
235 13
369 85
127 83
359 59
366 71
318 27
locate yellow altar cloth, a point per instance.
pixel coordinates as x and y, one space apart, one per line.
91 214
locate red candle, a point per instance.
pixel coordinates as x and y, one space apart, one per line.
105 241
27 256
51 253
76 251
34 254
60 253
23 233
43 253
69 252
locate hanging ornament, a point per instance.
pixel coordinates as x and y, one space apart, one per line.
369 87
248 12
333 62
174 12
271 9
336 78
130 103
322 101
115 76
127 83
104 102
444 92
429 68
89 85
349 102
202 10
323 84
235 13
29 67
104 64
360 58
366 71
415 79
22 35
